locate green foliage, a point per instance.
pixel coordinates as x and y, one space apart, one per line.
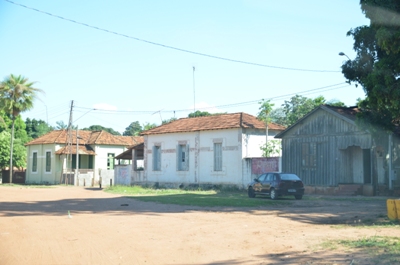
101 128
148 126
377 64
199 113
271 148
169 120
298 106
61 125
19 151
134 129
264 111
36 128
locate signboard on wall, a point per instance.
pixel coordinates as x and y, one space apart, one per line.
264 164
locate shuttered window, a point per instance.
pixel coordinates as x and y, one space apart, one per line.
34 162
217 156
156 158
48 161
182 157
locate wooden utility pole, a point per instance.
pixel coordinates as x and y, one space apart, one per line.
69 145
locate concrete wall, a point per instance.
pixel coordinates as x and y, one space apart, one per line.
236 145
41 176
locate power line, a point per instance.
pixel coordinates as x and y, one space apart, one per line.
305 92
171 47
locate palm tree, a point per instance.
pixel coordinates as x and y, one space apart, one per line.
16 96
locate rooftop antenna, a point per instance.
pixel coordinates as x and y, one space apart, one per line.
160 114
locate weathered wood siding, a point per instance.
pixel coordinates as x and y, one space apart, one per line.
338 150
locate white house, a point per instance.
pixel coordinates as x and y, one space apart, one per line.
52 157
204 150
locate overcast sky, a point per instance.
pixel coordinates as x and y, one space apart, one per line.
125 61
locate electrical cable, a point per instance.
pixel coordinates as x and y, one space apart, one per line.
172 47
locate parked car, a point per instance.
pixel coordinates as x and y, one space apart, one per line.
276 184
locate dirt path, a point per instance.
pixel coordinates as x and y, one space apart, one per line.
109 229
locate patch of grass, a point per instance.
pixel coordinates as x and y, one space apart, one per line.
203 198
384 249
27 186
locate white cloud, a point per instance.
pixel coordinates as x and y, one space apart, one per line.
104 106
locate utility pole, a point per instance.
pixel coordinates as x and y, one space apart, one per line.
69 144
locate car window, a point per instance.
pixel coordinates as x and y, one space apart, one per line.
289 177
262 177
270 177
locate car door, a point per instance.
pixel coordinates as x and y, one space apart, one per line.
266 184
258 184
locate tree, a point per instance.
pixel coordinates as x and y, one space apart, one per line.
271 148
199 113
264 111
61 125
298 106
148 126
169 120
134 129
101 128
376 66
16 96
19 152
36 128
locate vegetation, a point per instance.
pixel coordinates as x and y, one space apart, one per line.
134 129
385 250
271 148
36 128
16 95
19 151
203 198
377 64
294 109
101 128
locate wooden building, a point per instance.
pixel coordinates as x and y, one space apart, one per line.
333 155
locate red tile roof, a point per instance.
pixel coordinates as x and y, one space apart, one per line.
214 122
86 138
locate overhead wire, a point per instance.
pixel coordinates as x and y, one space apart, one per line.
171 47
305 92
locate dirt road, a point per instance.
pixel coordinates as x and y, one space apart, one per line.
103 228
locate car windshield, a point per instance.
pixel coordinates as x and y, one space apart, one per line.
289 177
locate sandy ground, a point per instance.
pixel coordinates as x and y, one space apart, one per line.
103 228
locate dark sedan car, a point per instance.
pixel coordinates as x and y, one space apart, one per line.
276 184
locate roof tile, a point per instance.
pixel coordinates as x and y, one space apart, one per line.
214 122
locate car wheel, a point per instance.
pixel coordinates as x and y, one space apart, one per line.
298 197
251 192
273 194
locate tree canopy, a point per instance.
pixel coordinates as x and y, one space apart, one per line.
294 109
134 129
36 128
101 128
376 66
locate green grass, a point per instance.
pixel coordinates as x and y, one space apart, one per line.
203 198
386 250
27 186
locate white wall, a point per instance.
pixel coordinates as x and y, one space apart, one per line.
201 156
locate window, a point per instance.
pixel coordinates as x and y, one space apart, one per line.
309 154
156 158
182 157
48 161
110 160
34 162
217 156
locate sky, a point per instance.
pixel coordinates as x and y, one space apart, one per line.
118 62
